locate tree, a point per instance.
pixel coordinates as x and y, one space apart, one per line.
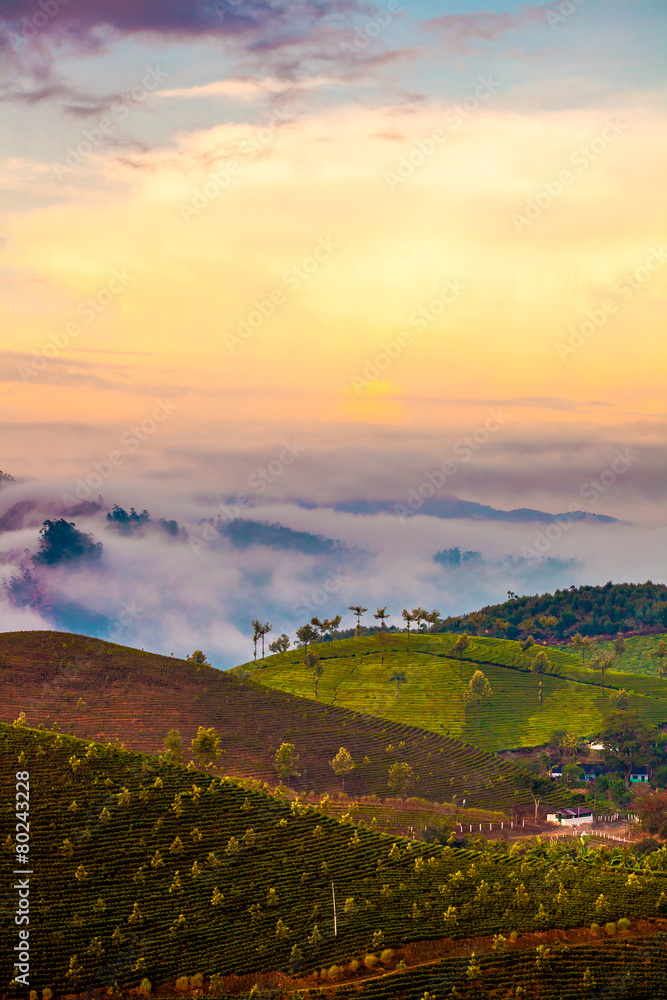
659 654
256 632
651 809
527 624
60 542
381 614
478 690
434 618
306 634
527 643
280 645
419 615
198 658
620 699
286 760
461 644
264 631
541 663
173 744
314 663
583 643
547 621
572 772
602 663
358 610
319 625
401 778
333 623
629 740
342 764
619 645
501 626
206 745
408 618
477 621
400 677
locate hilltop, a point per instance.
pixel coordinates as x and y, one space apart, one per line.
595 611
152 874
432 695
100 690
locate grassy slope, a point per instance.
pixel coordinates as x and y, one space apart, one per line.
432 695
137 697
637 659
110 886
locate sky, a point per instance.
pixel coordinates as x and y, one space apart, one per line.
394 238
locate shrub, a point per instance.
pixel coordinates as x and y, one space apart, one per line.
334 972
514 935
387 955
145 987
353 965
624 924
370 960
182 983
595 928
47 994
610 928
197 980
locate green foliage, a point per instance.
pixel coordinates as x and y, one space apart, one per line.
205 745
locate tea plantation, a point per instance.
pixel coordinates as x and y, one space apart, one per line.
100 690
432 695
145 871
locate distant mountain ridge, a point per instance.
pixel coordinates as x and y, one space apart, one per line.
454 507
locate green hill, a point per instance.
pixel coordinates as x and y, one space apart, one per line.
431 697
602 610
141 870
100 690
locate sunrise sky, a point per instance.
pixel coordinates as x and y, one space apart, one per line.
422 211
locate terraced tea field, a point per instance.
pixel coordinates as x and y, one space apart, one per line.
432 695
147 871
100 690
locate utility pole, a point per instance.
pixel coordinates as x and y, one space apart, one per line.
333 895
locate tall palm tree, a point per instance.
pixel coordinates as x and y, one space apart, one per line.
264 631
400 677
659 654
257 631
408 619
381 614
419 614
358 610
460 646
321 625
434 619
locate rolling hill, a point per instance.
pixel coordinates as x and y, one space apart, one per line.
432 695
144 873
100 690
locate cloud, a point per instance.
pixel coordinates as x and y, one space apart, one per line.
460 31
172 593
